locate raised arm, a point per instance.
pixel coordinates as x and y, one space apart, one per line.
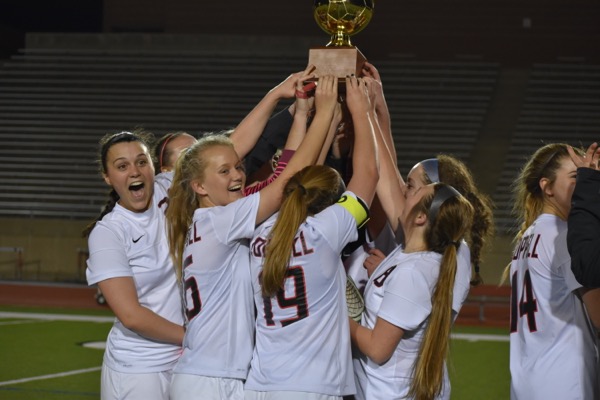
380 105
246 134
390 188
294 139
365 160
307 153
331 134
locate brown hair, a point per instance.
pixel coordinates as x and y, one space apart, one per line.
308 192
443 235
161 150
454 172
105 144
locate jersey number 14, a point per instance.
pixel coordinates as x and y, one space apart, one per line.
526 306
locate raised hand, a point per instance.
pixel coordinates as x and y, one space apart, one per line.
287 88
589 159
356 95
326 94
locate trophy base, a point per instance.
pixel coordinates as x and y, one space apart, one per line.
337 61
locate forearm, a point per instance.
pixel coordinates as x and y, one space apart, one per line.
365 160
148 324
362 337
297 131
383 122
121 295
390 185
308 150
246 134
327 144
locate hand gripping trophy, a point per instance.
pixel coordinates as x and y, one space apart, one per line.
341 19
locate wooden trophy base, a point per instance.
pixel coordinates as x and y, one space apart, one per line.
337 61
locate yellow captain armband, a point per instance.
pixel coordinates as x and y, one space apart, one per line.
357 208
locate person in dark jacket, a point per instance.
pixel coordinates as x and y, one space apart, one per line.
583 238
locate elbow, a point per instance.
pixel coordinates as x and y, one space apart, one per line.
131 321
379 357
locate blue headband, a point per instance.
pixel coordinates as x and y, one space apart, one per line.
431 169
444 193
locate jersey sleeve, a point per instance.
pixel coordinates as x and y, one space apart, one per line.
236 220
356 207
407 299
108 258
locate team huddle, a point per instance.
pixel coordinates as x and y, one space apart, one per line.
226 259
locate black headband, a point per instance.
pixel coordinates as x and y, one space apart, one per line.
443 193
431 169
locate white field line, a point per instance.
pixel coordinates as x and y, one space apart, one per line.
57 317
51 376
473 337
21 322
52 317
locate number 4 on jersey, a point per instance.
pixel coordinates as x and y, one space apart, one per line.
527 306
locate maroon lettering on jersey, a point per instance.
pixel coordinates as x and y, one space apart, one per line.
300 246
193 235
164 202
258 247
524 250
381 278
534 253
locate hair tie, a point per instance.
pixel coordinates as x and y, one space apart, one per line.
302 189
476 268
455 243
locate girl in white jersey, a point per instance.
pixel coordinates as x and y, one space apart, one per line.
442 168
404 334
302 340
553 352
210 222
129 260
166 151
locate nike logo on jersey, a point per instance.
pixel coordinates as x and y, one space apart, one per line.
138 239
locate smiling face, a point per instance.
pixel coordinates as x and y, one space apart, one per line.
130 172
224 178
558 193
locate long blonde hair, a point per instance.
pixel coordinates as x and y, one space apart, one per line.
528 195
183 201
308 192
443 235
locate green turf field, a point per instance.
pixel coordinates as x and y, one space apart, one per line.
44 358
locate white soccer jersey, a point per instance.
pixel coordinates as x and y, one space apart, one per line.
126 243
218 291
552 348
399 291
302 333
164 179
385 242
